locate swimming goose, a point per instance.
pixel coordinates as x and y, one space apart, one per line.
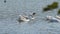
26 18
52 19
23 18
58 17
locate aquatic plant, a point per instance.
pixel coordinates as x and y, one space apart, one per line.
50 7
46 9
53 6
58 12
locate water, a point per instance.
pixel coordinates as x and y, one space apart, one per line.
10 11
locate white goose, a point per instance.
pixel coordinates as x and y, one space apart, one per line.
26 18
58 17
52 19
23 18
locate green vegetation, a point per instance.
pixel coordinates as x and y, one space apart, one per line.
46 9
52 6
58 12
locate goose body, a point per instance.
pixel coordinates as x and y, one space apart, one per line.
23 18
58 17
26 18
52 19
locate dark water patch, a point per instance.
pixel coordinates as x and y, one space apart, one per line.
5 1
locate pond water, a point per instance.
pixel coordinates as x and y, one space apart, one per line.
10 11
